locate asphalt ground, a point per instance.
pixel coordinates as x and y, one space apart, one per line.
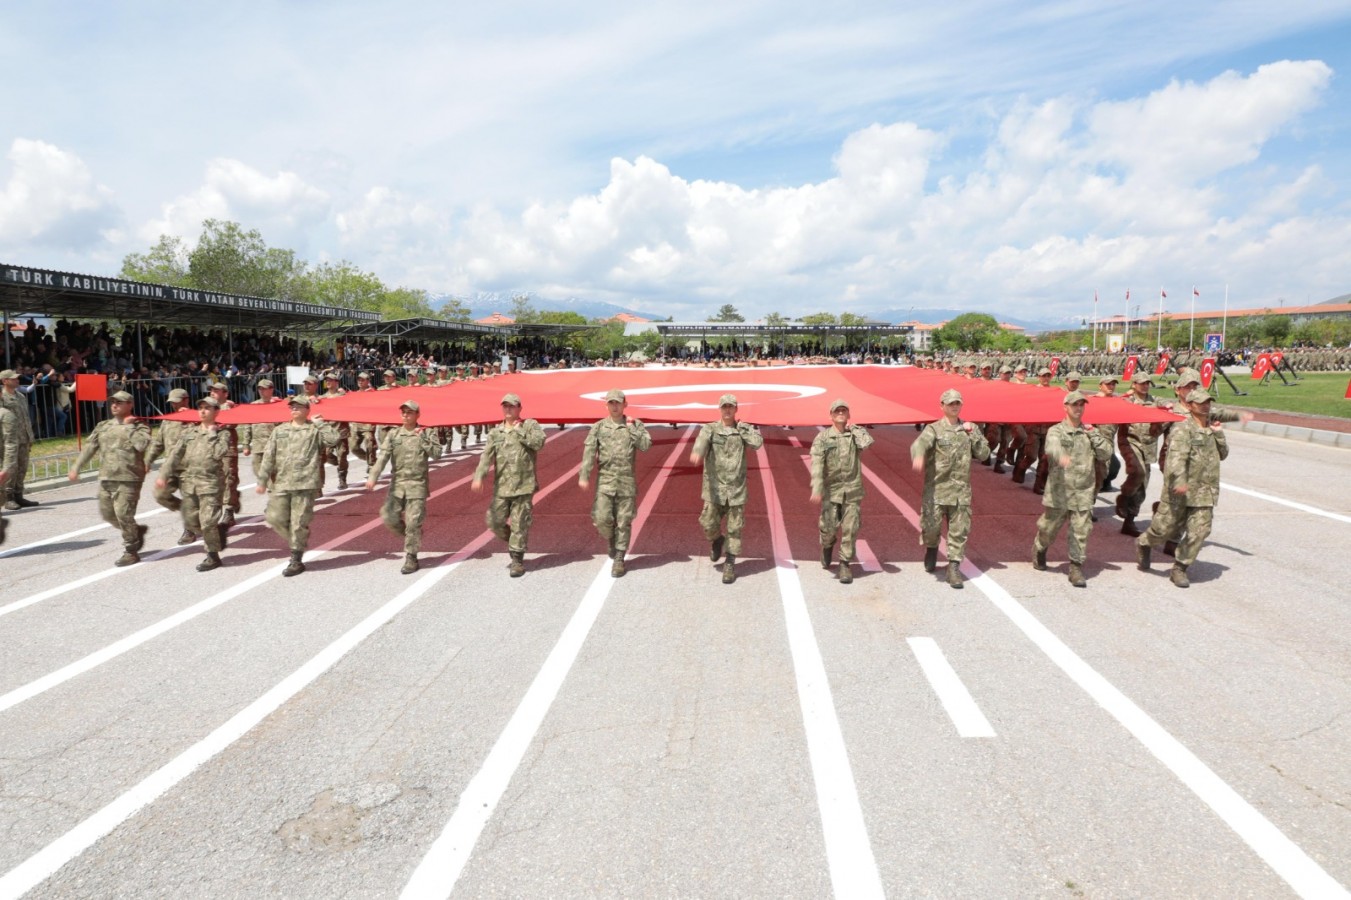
353 732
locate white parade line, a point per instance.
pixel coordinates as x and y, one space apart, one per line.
72 534
867 559
1291 863
1302 507
954 696
853 867
439 870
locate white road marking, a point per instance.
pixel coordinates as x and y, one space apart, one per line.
72 534
440 869
1302 507
1305 876
853 868
954 696
866 557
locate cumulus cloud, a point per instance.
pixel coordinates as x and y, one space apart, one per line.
283 207
52 200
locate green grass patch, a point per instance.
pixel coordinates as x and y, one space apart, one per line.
1317 393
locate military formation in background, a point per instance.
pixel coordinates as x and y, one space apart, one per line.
1096 363
1073 463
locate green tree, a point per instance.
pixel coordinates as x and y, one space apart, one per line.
164 263
727 313
969 331
775 319
405 303
522 310
454 310
227 258
341 284
818 319
1276 329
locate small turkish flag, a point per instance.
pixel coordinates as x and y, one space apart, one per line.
1054 366
1163 364
1207 371
1262 366
1131 363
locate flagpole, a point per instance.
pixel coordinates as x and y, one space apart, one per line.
1191 335
1095 321
1224 323
1159 340
1126 334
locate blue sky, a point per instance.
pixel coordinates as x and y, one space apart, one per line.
793 157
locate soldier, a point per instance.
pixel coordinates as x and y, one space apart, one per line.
199 462
233 504
120 443
1193 478
511 450
1072 451
1034 446
253 438
725 442
163 440
338 454
407 449
943 452
9 453
837 485
293 469
1138 444
363 434
12 398
613 443
391 380
1108 470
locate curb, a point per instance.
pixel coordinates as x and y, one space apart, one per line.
1294 433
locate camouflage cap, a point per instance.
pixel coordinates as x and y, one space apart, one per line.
1005 370
1108 379
208 401
727 400
987 365
1142 378
298 400
839 404
265 383
410 404
1074 397
391 372
1188 376
1043 371
1074 376
1199 396
511 400
364 376
178 394
120 397
311 379
1021 367
219 386
950 396
9 373
616 395
332 375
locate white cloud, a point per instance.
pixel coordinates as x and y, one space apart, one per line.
51 199
283 207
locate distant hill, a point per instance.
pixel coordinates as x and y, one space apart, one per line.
934 316
485 304
1344 298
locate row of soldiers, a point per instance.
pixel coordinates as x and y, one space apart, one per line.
1093 363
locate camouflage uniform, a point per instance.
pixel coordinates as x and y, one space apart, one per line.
1194 461
405 506
614 446
293 470
837 478
9 453
1070 490
169 433
121 450
363 434
723 449
337 453
199 461
1138 444
512 452
255 437
947 451
12 490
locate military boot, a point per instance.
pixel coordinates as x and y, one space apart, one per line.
617 567
410 564
1128 528
1142 557
1077 575
137 544
930 559
24 501
827 555
1179 576
1170 548
715 548
999 466
955 579
212 561
1039 561
187 537
517 567
729 570
846 573
128 558
296 566
3 526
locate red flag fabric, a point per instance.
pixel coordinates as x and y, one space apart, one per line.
1348 390
1163 364
1207 371
1262 366
781 395
1054 366
1131 363
93 388
1276 358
